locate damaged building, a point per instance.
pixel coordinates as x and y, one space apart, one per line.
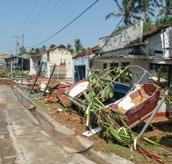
59 56
151 50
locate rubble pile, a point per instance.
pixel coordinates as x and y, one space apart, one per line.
7 81
59 95
112 104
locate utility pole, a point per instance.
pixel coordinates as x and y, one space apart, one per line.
22 56
22 52
11 62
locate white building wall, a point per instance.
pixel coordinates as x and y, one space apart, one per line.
63 60
32 69
153 44
61 56
34 65
166 38
161 42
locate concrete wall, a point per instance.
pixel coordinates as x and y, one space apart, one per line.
63 60
61 56
153 45
123 38
34 65
159 45
166 38
137 73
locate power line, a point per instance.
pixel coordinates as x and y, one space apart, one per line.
28 15
38 14
113 33
47 13
106 42
68 24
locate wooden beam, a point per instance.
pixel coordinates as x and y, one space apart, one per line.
49 79
36 78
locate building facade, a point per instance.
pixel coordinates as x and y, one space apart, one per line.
82 63
150 50
61 57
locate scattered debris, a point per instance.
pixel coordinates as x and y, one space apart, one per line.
59 95
117 112
31 107
92 131
59 110
111 102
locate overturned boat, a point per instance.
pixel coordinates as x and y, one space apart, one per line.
138 104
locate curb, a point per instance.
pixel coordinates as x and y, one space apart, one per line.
59 127
26 101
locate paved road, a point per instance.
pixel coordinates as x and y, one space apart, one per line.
23 142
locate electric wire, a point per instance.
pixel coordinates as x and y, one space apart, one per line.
46 14
68 24
38 14
106 42
28 15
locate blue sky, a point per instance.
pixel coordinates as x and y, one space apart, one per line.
88 28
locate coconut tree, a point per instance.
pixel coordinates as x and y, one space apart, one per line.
127 10
132 10
147 8
165 8
52 46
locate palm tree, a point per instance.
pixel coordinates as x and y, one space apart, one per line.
43 48
166 8
147 8
127 10
132 10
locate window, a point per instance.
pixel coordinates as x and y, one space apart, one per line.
124 64
113 65
105 65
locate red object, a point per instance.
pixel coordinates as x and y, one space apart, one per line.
59 94
64 100
52 99
149 154
144 98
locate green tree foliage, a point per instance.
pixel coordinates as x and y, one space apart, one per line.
164 10
69 47
78 46
133 10
43 48
126 10
34 51
52 46
165 20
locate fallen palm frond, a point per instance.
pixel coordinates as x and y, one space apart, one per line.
116 129
168 98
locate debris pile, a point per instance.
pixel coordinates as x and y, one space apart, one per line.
113 104
59 94
7 81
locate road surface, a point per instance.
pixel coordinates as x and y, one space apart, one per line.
21 141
